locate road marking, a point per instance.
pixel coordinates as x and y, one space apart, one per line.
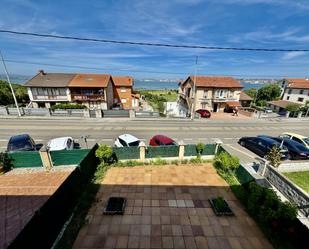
243 152
107 139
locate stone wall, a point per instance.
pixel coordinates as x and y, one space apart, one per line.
288 189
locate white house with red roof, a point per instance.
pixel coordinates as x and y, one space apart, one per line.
213 93
296 90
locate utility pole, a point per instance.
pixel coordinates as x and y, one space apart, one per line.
8 78
194 89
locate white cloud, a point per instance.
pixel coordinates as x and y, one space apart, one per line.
292 55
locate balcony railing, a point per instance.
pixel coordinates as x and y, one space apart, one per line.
91 97
50 97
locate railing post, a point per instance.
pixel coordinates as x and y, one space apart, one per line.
181 150
218 143
86 113
142 151
46 158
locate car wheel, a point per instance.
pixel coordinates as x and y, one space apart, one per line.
242 143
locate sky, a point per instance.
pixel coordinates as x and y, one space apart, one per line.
235 23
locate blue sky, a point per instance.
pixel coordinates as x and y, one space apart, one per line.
241 23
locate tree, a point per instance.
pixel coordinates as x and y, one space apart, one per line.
292 107
274 156
268 93
251 92
6 97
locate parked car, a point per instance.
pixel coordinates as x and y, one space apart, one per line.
267 110
296 137
161 140
296 150
262 145
61 143
22 143
127 140
204 113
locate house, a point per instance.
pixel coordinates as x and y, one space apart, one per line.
123 94
92 90
279 106
96 91
47 89
296 90
214 93
244 99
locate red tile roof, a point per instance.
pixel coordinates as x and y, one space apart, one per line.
123 80
282 103
216 81
90 80
298 83
244 96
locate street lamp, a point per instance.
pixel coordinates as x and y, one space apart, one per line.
8 79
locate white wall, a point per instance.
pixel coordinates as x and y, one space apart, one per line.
295 94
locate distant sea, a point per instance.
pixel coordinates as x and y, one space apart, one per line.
138 84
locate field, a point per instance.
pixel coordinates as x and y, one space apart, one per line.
299 178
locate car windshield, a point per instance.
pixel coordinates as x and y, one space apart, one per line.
20 145
171 143
135 143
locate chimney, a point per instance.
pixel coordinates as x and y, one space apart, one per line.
41 72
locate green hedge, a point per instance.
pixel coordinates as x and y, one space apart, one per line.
25 159
162 151
68 157
126 153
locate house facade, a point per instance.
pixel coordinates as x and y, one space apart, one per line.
296 90
96 91
208 92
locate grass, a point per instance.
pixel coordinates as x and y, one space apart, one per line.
299 178
169 95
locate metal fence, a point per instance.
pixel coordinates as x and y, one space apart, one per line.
146 114
116 113
126 153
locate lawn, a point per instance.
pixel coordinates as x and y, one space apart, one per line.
299 178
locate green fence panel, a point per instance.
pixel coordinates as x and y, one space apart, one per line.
243 175
190 150
162 151
26 159
68 157
89 164
209 150
126 153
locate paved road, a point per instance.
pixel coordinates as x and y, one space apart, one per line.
106 130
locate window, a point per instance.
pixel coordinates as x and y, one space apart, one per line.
297 140
69 143
203 105
300 99
205 94
62 92
123 101
40 91
301 91
290 91
288 97
123 90
123 143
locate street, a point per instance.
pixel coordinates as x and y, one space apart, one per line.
106 130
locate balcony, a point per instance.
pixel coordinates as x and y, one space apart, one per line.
51 97
87 97
224 99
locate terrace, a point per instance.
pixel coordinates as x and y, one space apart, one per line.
167 207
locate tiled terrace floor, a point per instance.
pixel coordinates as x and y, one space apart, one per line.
21 195
167 207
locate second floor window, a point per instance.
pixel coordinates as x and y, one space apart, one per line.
301 91
300 99
290 91
205 94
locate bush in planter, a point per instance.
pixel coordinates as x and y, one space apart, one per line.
6 163
200 147
225 162
105 154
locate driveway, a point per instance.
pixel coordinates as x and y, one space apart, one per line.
167 207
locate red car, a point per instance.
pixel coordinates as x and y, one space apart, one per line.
161 140
204 113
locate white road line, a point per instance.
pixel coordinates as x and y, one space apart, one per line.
4 140
107 139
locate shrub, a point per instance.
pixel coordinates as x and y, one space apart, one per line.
159 161
274 156
200 148
292 107
68 106
6 162
105 154
196 160
225 162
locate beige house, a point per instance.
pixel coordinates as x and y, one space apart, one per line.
209 92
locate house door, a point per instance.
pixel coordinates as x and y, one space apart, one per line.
215 107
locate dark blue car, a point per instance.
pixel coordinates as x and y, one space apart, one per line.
262 145
296 150
22 143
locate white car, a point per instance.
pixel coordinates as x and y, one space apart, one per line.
61 143
127 140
